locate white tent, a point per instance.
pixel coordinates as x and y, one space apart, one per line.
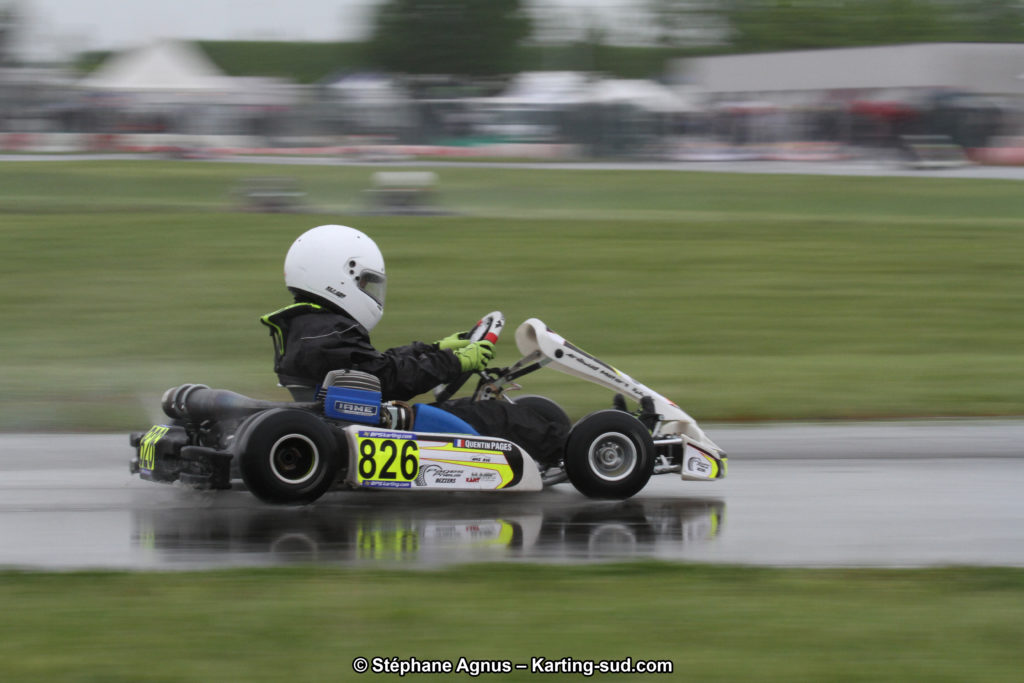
643 94
554 88
174 72
372 87
164 67
372 100
173 85
544 88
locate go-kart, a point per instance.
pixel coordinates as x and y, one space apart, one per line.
294 452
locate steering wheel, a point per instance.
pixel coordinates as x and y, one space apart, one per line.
487 328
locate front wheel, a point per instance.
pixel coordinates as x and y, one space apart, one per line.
609 454
288 457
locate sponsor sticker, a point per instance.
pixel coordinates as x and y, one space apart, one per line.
699 464
383 434
386 484
443 474
435 474
478 445
359 409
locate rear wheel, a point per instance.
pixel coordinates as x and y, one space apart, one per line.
288 457
609 454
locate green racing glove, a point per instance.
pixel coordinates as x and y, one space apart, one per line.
453 341
474 355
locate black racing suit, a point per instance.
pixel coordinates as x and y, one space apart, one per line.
311 339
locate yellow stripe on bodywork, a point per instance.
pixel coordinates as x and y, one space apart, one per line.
714 466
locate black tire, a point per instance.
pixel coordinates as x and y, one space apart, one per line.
288 456
609 454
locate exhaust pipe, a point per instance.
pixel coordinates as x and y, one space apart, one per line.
198 402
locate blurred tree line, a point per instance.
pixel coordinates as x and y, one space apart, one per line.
488 38
773 25
465 37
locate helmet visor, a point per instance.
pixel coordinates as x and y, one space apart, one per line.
374 284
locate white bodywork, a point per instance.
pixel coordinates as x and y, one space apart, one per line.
702 459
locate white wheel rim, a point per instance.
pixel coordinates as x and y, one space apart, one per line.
612 456
294 459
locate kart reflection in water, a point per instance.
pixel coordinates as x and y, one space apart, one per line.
386 528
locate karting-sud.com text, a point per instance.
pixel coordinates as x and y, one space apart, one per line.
411 666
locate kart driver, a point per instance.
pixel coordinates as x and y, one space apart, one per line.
336 275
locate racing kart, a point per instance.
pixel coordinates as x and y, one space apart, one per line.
294 452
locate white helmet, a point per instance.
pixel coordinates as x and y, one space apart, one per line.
341 265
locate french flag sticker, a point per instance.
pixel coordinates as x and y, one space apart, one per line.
458 443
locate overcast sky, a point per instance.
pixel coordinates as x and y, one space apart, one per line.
75 25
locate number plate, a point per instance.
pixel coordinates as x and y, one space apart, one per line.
387 462
387 459
147 447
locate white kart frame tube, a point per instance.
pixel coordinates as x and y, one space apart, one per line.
540 344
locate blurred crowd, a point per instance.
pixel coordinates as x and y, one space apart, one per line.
169 97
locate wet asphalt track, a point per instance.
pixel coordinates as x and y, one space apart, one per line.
884 494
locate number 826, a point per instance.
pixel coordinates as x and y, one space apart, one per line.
388 460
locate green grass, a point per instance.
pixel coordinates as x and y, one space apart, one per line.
714 624
740 296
